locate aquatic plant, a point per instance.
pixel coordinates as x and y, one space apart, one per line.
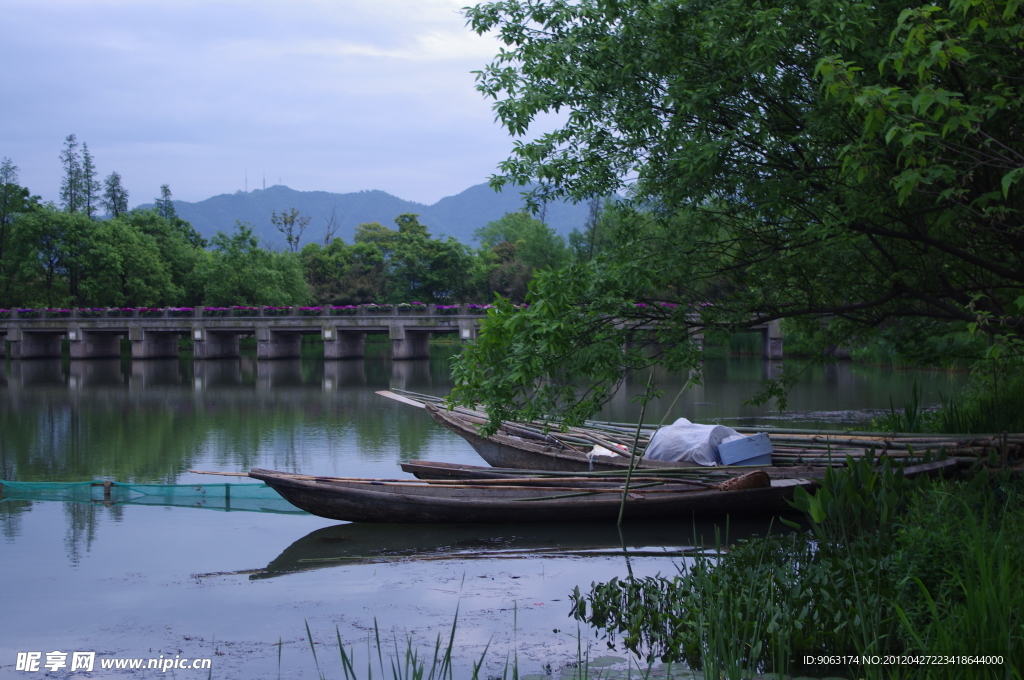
938 574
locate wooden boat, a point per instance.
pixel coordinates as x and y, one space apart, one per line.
429 469
518 448
521 500
526 446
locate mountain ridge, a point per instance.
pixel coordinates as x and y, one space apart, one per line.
457 216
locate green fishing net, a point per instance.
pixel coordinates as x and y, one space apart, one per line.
224 497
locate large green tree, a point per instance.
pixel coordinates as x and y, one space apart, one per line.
837 162
239 272
14 201
536 244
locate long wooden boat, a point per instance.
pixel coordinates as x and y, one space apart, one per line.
530 446
519 448
429 469
504 501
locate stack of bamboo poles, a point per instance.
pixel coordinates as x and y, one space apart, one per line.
791 446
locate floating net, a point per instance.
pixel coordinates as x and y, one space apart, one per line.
224 497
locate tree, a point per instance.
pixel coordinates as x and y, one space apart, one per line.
123 266
291 223
164 204
240 272
783 160
420 268
14 200
90 186
594 240
49 256
180 250
71 185
536 245
115 196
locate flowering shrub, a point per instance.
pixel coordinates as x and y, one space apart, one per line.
378 309
276 311
121 311
343 310
150 311
412 307
242 310
311 311
90 312
215 311
5 313
180 311
479 309
446 309
58 313
29 313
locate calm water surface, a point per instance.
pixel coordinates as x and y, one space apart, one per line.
141 582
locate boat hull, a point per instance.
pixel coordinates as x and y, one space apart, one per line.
504 451
394 502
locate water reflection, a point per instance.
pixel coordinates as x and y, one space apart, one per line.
350 544
155 372
350 373
96 373
154 420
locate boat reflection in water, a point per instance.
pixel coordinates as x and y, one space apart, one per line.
356 543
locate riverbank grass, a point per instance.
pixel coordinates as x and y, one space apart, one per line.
891 567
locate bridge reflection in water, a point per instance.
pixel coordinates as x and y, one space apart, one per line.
244 372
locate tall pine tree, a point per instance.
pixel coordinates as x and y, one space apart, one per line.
90 186
115 196
164 204
71 185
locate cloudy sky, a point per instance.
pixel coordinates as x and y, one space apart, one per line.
333 95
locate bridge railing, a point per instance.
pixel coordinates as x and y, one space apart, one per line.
261 311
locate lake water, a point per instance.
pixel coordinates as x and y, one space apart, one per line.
241 587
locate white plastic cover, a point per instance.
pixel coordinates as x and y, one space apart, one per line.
683 441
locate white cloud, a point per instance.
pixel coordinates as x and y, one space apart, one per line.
325 94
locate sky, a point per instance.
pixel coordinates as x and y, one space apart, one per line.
216 96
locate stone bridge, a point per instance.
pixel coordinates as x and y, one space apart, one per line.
154 334
96 334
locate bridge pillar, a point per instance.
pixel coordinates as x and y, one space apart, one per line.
34 344
344 344
148 344
214 344
93 345
771 341
271 344
408 344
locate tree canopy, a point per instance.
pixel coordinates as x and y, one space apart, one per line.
843 164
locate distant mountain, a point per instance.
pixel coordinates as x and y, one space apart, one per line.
457 216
